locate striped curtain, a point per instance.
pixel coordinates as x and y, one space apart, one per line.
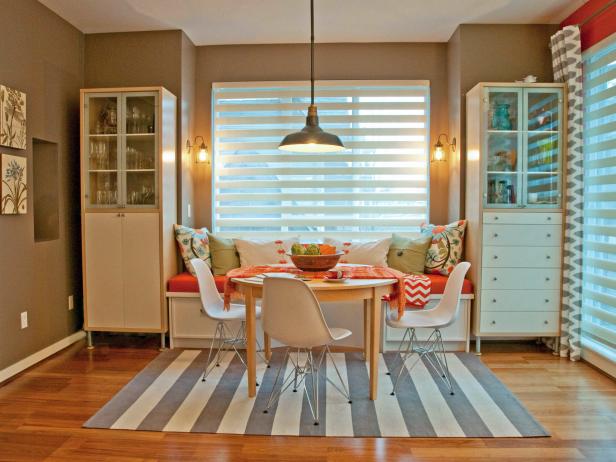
567 65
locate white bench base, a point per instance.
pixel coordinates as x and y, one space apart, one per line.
190 328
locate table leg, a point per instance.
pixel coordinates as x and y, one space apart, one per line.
375 338
267 346
251 359
366 329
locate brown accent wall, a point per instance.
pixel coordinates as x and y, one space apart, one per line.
41 55
489 53
360 61
132 59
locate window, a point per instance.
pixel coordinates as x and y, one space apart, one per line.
378 185
599 289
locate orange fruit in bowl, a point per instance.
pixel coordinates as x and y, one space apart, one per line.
327 249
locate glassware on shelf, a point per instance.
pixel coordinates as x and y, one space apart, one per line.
501 190
501 119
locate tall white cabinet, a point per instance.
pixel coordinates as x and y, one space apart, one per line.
514 208
128 204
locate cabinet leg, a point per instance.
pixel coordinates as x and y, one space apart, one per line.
89 340
163 338
556 346
478 346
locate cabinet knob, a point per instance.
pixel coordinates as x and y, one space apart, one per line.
495 279
495 257
547 279
548 257
549 218
493 300
493 322
496 218
118 215
495 234
545 322
547 300
548 235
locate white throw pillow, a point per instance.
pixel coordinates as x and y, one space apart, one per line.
372 253
254 253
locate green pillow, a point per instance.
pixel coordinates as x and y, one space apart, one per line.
223 254
408 255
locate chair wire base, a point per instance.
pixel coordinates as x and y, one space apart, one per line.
226 339
432 349
306 373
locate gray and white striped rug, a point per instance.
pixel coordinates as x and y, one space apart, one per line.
168 395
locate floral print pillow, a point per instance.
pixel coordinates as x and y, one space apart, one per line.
445 252
193 243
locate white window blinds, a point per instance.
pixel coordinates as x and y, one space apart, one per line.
599 289
378 185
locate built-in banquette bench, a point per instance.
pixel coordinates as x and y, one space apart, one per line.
190 328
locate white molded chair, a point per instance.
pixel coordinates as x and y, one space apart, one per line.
212 306
442 315
291 314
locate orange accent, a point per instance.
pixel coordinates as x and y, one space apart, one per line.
327 249
186 282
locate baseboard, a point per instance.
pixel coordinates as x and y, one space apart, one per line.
34 358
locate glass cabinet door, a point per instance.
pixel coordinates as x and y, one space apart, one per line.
504 118
139 140
542 164
101 153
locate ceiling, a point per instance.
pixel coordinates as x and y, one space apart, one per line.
219 22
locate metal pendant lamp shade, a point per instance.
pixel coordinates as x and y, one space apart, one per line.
311 138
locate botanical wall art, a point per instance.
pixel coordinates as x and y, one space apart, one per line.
12 118
14 198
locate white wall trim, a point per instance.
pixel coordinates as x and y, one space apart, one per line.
599 361
34 358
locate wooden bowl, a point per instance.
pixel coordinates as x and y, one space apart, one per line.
315 262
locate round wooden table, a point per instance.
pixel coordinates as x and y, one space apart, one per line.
371 291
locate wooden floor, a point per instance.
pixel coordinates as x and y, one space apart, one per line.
41 413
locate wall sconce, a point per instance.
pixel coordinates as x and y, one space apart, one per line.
439 152
202 155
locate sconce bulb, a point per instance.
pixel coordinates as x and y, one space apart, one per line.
202 155
439 154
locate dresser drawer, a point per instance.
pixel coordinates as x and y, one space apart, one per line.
520 323
523 218
522 235
520 300
520 278
520 257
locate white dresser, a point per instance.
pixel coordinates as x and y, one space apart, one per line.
514 208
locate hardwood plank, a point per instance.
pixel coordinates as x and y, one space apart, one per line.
42 410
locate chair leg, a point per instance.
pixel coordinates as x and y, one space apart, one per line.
399 350
447 376
344 393
273 395
218 334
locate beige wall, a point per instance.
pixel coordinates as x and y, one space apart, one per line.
237 63
41 55
489 53
132 59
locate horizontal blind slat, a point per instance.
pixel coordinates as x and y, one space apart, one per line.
320 158
314 184
324 196
299 120
321 209
319 171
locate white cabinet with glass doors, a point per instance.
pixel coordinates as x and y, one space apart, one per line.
128 195
522 165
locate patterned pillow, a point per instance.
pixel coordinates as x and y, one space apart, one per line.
193 243
445 252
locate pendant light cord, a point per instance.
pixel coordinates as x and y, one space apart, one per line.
312 52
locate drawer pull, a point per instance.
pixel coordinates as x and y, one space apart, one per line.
548 235
493 300
547 300
495 257
493 322
495 278
545 322
495 218
547 279
495 234
549 218
548 257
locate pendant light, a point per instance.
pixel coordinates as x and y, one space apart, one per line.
311 138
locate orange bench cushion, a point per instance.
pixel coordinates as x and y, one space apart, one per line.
186 282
